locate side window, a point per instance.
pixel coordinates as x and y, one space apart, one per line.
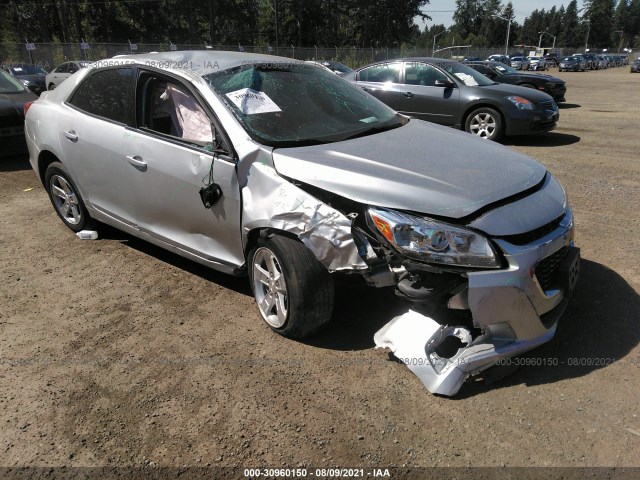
73 67
107 94
169 108
64 68
422 74
387 72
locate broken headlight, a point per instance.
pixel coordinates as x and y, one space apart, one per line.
433 241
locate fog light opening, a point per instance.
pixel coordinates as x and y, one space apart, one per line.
449 347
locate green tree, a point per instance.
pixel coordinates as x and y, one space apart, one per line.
599 14
570 34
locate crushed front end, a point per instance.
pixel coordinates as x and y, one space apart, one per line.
513 288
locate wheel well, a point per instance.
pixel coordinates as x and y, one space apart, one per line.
45 159
481 105
256 233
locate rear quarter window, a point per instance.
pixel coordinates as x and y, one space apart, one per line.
107 94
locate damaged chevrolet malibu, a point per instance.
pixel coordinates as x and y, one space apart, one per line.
279 170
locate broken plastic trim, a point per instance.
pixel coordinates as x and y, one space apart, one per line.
415 340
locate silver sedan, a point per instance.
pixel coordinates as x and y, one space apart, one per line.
282 171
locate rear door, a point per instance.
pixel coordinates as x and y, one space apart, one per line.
91 132
177 148
422 98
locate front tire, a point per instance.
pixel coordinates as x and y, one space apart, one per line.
51 86
485 122
65 198
294 292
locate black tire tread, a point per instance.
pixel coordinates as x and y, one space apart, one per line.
309 284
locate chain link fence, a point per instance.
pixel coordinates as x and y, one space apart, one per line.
49 55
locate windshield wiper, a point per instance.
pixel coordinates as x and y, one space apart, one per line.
372 130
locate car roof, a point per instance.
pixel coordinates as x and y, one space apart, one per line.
201 62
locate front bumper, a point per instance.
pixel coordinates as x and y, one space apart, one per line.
510 307
557 91
528 122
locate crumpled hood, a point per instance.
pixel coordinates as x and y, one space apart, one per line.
421 167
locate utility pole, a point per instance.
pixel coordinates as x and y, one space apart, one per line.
506 46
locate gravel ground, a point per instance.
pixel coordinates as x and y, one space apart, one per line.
116 353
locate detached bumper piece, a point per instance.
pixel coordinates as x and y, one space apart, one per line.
430 351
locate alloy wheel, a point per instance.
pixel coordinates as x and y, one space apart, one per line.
270 287
65 200
483 125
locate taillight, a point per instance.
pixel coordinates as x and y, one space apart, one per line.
26 107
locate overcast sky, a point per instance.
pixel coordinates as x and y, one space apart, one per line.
441 11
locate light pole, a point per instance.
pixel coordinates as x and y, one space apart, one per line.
540 40
586 41
506 46
554 39
433 51
621 37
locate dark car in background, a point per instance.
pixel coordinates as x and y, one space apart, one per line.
575 63
594 62
13 96
31 76
635 66
501 73
551 58
450 93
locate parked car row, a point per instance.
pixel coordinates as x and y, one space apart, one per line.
591 61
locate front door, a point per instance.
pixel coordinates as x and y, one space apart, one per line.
175 151
424 99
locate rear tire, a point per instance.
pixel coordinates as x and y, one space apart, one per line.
65 198
294 291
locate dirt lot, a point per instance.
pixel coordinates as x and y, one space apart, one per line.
113 352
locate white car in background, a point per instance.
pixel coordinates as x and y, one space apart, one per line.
62 72
520 63
537 63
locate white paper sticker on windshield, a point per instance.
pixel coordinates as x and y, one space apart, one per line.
467 79
17 69
251 101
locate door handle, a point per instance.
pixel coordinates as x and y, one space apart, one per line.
407 94
71 135
137 162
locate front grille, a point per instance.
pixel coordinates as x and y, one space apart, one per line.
547 268
533 235
551 105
